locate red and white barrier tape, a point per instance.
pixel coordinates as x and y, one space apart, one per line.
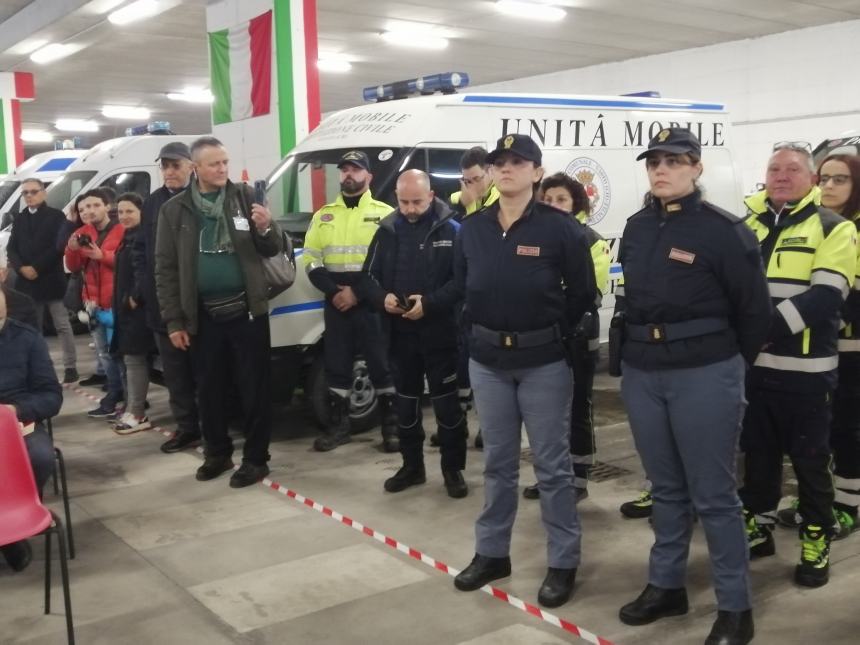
495 592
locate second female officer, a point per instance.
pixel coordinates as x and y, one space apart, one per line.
527 279
697 311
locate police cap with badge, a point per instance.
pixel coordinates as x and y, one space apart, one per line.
356 158
519 144
676 141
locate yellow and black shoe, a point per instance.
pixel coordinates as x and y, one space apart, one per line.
814 567
639 507
759 537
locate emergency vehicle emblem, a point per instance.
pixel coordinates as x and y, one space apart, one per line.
508 142
326 217
594 179
663 135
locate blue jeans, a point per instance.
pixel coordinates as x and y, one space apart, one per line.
540 397
112 368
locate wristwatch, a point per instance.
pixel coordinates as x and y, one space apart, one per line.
265 232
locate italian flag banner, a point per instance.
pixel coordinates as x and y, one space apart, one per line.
241 70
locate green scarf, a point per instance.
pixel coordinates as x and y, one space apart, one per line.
220 239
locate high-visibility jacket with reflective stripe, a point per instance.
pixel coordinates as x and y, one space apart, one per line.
849 334
338 237
810 255
600 259
491 197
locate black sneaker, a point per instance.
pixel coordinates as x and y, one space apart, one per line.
639 507
101 412
248 474
404 478
732 628
212 467
70 375
180 441
95 379
759 537
814 567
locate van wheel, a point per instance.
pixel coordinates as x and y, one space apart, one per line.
363 408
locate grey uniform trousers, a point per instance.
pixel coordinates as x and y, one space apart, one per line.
540 397
686 424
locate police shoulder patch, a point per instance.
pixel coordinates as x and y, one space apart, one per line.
326 217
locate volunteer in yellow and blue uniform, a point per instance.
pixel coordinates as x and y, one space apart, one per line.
477 189
335 249
567 194
528 280
696 312
810 255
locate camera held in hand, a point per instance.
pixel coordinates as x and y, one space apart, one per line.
85 240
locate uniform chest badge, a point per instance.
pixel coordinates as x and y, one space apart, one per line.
326 217
682 256
533 251
375 220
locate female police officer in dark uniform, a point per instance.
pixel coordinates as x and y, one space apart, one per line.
696 307
527 279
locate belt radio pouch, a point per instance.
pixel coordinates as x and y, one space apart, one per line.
616 340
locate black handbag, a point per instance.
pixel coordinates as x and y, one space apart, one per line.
227 308
73 298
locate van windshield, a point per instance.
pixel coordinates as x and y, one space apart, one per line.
304 182
67 187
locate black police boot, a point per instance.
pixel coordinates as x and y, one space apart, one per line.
455 484
212 467
482 570
434 439
653 604
479 440
732 628
337 433
180 441
410 474
557 587
390 440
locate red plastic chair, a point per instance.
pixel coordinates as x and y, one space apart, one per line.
22 514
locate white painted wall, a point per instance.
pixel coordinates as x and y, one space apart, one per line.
800 85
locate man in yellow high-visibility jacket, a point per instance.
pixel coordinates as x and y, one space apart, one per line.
810 258
335 248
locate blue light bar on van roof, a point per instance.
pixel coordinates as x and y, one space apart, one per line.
561 101
57 164
648 94
156 127
447 83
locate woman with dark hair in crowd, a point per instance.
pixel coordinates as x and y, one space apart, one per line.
567 194
839 181
132 340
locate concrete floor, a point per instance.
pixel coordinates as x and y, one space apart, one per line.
165 559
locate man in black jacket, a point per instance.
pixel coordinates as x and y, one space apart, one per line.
409 261
34 255
175 161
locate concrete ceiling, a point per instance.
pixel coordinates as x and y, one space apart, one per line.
138 64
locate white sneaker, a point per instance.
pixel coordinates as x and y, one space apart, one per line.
129 424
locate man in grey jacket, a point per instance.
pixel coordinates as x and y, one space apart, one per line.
210 243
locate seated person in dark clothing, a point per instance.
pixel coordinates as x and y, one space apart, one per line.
29 386
20 306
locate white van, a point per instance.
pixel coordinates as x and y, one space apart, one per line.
47 166
126 164
595 139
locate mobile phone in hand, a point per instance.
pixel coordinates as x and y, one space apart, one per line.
260 192
404 303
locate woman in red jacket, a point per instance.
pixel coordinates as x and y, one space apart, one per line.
92 249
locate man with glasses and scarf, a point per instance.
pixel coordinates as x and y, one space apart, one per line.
809 255
210 243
